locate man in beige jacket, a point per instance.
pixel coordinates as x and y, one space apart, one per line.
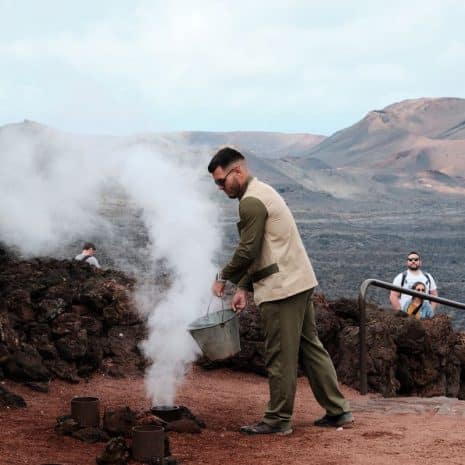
271 260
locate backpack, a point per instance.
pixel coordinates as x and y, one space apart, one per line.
426 275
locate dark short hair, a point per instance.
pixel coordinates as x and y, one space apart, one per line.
224 158
415 252
89 245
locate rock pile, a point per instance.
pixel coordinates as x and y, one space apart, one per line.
66 319
405 356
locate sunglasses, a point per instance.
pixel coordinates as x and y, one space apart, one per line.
221 182
413 259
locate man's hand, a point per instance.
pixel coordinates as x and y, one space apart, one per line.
239 300
218 288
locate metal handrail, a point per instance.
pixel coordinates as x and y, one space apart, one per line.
362 321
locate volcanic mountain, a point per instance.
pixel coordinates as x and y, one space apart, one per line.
415 145
421 140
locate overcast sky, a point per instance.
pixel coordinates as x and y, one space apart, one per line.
121 67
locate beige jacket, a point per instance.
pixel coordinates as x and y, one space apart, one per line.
283 268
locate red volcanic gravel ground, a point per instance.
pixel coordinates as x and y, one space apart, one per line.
225 400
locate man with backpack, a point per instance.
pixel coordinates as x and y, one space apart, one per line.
87 255
413 274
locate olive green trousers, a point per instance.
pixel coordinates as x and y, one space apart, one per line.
291 335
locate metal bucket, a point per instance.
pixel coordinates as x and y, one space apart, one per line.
86 411
148 444
217 334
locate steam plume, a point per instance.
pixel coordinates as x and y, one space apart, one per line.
53 189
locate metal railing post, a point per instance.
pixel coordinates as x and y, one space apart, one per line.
362 318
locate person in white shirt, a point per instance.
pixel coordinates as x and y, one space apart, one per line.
87 254
408 278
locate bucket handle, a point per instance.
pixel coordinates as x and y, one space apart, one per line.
222 307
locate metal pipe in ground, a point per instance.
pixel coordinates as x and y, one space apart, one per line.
148 444
86 411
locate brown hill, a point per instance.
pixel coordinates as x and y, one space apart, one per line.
409 138
430 133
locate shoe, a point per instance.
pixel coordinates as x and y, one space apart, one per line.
345 419
265 428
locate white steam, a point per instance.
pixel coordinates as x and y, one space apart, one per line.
183 227
53 189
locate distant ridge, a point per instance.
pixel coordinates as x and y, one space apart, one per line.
262 144
416 144
261 148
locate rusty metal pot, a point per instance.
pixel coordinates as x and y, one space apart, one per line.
148 444
167 412
86 411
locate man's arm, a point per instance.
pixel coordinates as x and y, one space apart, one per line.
394 297
435 293
246 283
433 290
252 215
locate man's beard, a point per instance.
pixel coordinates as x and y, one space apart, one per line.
234 191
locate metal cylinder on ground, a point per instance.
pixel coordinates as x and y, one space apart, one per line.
86 411
148 443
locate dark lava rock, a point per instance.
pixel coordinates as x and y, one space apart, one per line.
119 422
73 346
10 400
65 319
66 425
405 356
188 415
38 387
66 323
183 425
91 435
63 370
116 452
26 364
